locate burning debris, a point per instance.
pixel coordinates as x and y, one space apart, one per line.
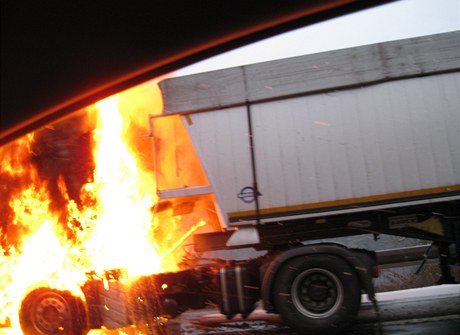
79 198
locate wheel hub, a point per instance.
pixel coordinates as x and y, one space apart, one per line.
317 293
50 315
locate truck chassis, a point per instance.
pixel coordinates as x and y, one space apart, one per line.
314 287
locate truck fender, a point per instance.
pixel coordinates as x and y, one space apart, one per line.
334 249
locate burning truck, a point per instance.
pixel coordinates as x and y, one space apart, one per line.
266 159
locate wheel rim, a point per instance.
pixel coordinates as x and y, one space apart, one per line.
50 313
317 293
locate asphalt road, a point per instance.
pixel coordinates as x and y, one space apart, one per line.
447 325
426 311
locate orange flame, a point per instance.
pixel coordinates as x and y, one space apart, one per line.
124 206
55 228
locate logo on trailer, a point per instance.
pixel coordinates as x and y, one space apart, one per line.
248 194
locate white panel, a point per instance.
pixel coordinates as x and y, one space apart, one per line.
451 86
367 126
222 143
308 181
319 122
435 100
387 138
353 145
421 131
404 131
269 163
386 117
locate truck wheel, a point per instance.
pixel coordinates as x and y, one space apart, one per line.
46 311
318 293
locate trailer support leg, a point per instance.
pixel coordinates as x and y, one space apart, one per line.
444 255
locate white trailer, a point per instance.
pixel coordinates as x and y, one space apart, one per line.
336 132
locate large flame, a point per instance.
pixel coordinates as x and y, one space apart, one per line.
58 223
123 202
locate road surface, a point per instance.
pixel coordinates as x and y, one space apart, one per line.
425 311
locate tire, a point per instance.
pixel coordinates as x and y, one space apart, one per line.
46 311
319 293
